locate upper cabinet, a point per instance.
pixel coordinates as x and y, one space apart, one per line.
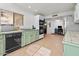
18 19
6 17
76 13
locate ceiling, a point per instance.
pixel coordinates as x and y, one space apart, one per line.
46 8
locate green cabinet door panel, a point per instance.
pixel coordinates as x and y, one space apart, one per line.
32 36
70 50
1 48
2 44
36 35
23 41
29 37
25 38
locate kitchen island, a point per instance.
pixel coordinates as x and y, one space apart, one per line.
71 43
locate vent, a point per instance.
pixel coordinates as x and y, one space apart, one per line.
54 15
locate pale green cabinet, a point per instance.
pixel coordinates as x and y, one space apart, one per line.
25 38
34 36
71 49
29 37
2 44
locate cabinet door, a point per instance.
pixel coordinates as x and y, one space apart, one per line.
36 35
27 38
32 36
2 44
1 47
23 40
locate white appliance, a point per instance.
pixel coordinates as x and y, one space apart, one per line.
37 19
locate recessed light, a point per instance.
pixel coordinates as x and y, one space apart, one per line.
29 6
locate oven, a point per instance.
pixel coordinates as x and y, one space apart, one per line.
41 30
41 22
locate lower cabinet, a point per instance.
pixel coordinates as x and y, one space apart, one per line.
71 49
2 44
29 37
32 36
36 35
25 38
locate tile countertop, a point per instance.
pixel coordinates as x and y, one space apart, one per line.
71 38
17 31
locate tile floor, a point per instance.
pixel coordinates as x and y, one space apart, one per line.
51 45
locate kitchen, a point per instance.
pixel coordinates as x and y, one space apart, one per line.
12 33
20 29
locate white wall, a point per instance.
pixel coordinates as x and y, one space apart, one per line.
54 24
58 23
29 20
28 17
70 25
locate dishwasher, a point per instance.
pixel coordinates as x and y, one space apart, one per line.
13 42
